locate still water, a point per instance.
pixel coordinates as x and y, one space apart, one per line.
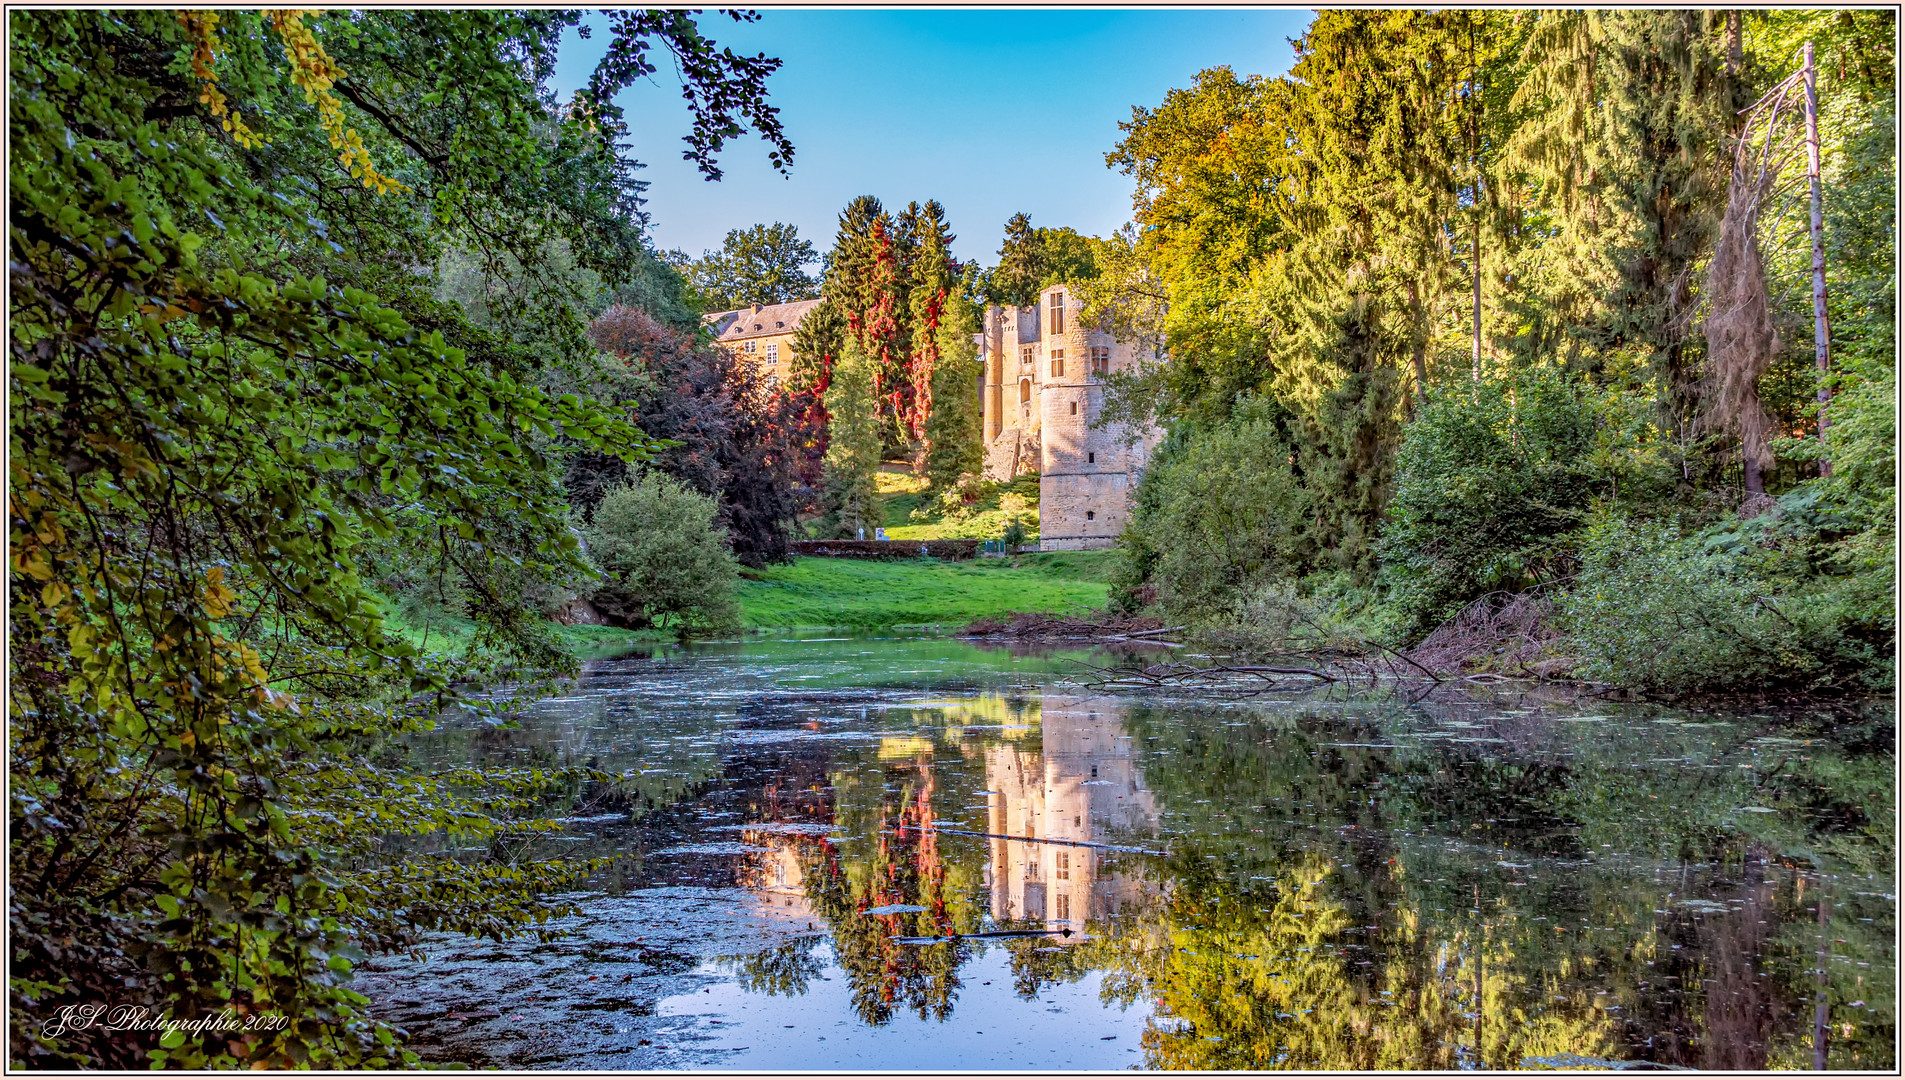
811 832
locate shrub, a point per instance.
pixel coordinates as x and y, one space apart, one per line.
1219 513
1493 478
1321 614
729 433
1658 610
663 555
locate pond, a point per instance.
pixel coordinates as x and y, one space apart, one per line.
921 853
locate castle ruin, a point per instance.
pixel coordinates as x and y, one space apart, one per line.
1042 392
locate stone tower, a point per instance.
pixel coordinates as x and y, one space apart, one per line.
1044 391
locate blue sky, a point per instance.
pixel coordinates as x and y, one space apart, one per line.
990 111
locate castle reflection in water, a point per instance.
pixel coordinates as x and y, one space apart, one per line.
1081 787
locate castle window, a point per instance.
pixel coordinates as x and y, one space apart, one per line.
1064 907
1074 408
1091 459
1091 515
773 352
1101 360
1025 356
748 348
1058 313
1064 866
1058 363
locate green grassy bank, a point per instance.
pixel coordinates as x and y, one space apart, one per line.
850 594
864 594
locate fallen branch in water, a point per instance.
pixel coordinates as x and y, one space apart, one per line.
1154 633
1160 676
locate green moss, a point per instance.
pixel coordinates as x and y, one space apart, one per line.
860 594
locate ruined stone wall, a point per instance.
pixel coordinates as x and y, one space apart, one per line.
1039 416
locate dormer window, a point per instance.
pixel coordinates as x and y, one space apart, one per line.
778 325
757 326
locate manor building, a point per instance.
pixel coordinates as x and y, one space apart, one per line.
764 335
1042 393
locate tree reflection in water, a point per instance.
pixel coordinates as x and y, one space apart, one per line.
1432 887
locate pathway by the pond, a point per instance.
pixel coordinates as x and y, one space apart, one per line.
810 833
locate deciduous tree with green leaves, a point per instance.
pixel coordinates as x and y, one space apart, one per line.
762 264
229 380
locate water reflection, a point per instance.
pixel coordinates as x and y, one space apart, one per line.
1082 787
1350 883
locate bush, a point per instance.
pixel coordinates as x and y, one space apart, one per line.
658 544
1218 512
729 433
1321 614
1658 610
1493 480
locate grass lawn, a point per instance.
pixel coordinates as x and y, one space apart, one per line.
902 495
864 594
455 635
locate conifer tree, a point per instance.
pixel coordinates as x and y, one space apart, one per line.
1628 115
930 280
818 339
954 426
853 446
866 280
1016 279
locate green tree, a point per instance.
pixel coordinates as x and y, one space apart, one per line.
1220 512
931 279
1033 259
762 264
1495 480
1629 112
853 447
210 430
666 560
954 428
866 277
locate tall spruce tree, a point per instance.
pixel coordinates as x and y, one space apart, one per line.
818 340
852 505
954 426
866 279
931 278
1016 279
1628 117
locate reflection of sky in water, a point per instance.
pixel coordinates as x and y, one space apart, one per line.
1361 881
1065 1028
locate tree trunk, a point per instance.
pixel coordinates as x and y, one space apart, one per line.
1755 481
1821 332
1820 1029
